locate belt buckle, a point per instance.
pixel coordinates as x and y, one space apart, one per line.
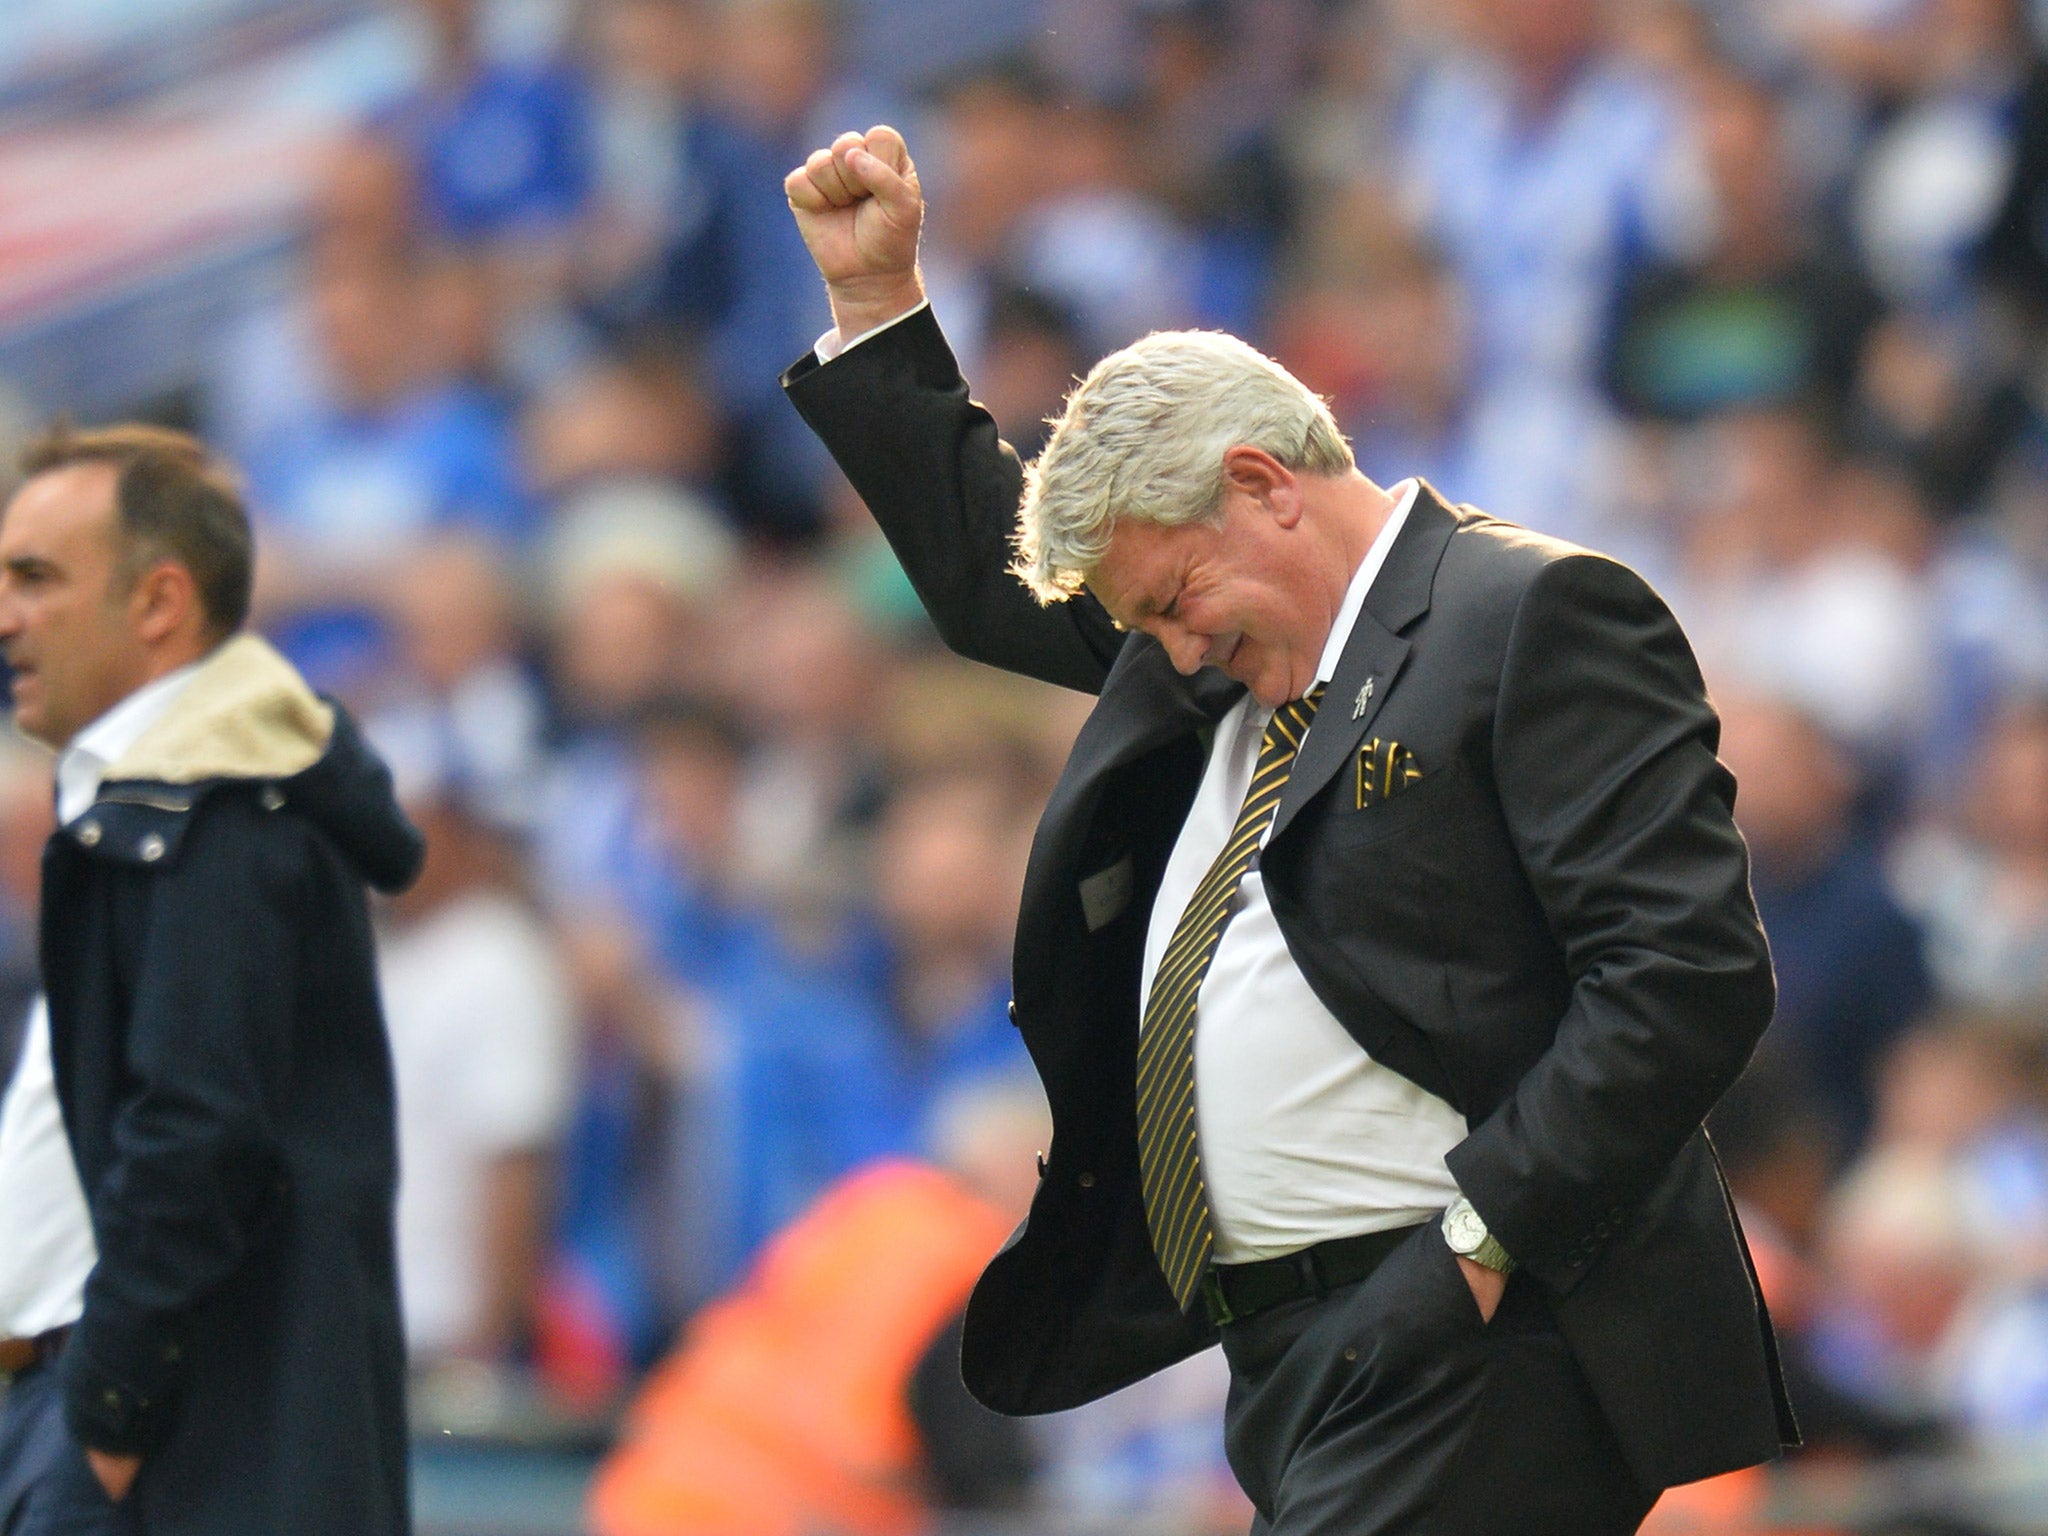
1220 1311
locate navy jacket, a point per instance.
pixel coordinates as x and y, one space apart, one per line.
225 1080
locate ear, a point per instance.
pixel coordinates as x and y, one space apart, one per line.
1269 484
164 606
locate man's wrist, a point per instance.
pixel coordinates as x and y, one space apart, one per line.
860 305
1465 1232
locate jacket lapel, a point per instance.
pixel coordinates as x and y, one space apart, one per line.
1144 704
1374 655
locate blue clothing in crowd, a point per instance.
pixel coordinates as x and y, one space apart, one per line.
1850 974
733 275
506 153
354 483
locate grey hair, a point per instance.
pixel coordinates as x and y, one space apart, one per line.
1143 436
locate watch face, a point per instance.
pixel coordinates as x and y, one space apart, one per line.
1465 1230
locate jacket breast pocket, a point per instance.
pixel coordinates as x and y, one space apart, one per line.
1426 801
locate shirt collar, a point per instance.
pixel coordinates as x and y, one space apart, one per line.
1362 579
95 750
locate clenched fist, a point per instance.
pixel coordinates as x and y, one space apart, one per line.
859 208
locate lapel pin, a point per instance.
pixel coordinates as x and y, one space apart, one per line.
1364 698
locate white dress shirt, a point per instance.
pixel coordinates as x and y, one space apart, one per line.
46 1242
1304 1137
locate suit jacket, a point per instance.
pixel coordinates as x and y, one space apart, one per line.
222 1068
1551 929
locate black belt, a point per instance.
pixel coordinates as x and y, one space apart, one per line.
1234 1291
18 1356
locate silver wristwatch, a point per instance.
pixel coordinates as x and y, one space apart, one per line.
1466 1235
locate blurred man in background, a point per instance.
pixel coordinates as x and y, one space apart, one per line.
232 1358
481 1043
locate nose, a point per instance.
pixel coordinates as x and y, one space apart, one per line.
1185 649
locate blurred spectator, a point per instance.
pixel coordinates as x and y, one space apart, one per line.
693 244
1929 186
990 122
481 1030
27 818
1546 167
1101 243
1989 582
271 374
1938 395
1795 588
1980 883
1900 1267
1937 1243
401 449
948 866
1213 151
639 414
634 568
1847 959
1376 325
1764 316
823 1393
754 1071
806 673
780 72
1035 354
461 702
499 148
1341 126
1150 1453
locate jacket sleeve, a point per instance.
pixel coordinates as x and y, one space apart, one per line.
1622 817
196 1168
945 488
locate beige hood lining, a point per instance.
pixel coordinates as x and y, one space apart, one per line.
246 714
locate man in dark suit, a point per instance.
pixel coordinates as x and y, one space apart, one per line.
1416 814
220 1350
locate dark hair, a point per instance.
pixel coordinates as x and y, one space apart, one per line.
175 502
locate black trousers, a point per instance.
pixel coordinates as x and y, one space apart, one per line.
46 1486
1389 1408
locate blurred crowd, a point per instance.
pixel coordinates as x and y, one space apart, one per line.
725 852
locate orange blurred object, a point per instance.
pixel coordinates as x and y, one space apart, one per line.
783 1411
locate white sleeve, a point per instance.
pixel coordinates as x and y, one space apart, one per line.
519 1051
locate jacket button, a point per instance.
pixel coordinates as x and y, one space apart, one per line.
151 848
1086 1181
272 798
89 834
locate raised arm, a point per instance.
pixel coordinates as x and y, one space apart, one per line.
896 415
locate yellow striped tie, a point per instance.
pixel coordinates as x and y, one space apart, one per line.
1176 1199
